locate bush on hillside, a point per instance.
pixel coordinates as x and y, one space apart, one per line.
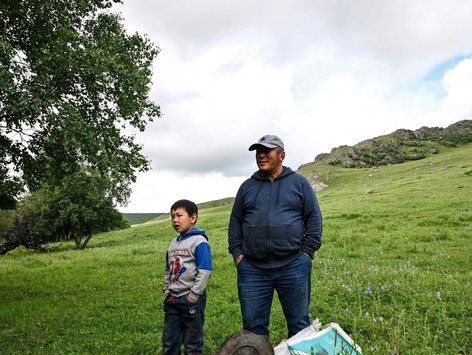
76 209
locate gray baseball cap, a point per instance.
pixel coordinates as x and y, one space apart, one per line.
268 141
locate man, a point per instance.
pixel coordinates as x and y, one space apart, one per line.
274 230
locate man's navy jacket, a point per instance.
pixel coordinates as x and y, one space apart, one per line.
272 222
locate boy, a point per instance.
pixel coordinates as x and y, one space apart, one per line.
188 269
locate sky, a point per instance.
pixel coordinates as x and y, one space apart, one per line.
318 74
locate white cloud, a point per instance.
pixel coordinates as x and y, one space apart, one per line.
156 192
218 104
317 73
458 84
398 32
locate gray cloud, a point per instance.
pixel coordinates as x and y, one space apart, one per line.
318 73
400 32
227 163
232 71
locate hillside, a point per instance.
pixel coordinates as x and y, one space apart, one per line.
399 146
201 206
138 218
394 271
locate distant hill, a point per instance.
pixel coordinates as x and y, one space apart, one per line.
399 146
138 218
216 203
201 206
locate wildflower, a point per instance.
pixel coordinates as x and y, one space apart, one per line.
383 287
438 295
381 319
347 309
368 291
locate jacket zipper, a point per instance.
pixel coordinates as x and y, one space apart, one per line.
269 249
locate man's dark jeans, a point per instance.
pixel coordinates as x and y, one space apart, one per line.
183 324
256 290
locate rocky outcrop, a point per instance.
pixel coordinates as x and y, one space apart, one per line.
316 183
322 157
399 146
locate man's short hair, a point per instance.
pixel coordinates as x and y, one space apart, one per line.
187 205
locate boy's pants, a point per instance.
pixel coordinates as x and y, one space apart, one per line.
183 324
256 290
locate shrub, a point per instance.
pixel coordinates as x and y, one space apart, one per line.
76 209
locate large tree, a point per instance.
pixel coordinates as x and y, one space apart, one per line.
74 89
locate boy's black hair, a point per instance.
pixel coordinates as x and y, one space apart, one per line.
187 205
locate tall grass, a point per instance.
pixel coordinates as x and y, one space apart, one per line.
394 271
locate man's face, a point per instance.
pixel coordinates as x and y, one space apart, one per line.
181 221
269 160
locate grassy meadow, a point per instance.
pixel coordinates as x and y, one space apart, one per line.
395 271
138 218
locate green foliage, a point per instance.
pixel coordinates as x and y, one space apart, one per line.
6 222
26 229
79 207
394 272
76 209
71 79
10 186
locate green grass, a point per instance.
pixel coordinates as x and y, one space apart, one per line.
394 271
138 218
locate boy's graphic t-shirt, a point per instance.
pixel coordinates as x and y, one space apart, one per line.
176 269
188 264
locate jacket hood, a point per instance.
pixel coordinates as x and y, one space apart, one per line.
194 231
262 177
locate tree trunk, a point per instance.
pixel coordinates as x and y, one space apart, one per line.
84 244
77 240
7 246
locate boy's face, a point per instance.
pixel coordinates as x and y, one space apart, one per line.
181 221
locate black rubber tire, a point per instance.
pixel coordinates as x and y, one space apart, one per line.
246 343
